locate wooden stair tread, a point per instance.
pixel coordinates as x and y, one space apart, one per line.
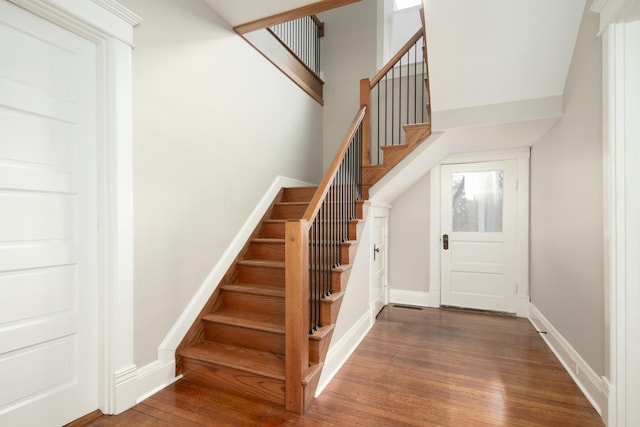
313 371
292 203
262 263
330 299
273 240
373 167
244 359
255 289
398 147
342 268
416 126
321 333
267 322
298 194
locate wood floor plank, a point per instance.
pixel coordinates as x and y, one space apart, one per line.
429 367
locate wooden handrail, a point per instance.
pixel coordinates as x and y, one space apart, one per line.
291 52
392 62
319 24
324 186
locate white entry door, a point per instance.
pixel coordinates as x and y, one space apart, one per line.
48 222
478 236
379 288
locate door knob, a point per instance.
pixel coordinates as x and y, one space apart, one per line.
445 241
375 251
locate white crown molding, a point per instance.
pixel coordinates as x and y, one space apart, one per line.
597 5
120 11
615 11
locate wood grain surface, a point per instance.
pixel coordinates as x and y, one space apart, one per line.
426 367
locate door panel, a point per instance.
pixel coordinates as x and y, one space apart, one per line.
479 220
48 222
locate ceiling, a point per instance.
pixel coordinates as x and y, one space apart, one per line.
242 11
499 51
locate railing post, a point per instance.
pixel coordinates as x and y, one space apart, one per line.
365 100
296 312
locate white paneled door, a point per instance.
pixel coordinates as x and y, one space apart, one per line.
48 222
478 235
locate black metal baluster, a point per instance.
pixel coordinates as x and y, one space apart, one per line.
400 104
408 90
423 84
393 107
386 109
378 118
415 82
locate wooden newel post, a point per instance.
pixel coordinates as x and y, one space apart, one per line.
296 279
365 101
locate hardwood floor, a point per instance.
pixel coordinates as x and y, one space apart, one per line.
424 367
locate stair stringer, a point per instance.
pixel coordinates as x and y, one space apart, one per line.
191 313
439 145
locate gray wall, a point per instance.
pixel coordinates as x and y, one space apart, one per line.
210 136
409 224
348 54
566 208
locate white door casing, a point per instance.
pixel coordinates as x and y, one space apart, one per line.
48 222
379 256
109 26
478 224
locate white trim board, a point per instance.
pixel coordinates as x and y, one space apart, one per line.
153 377
593 386
339 353
211 282
418 298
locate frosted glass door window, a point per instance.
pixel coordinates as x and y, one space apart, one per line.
477 201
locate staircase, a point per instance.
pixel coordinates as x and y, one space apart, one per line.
415 134
238 343
266 330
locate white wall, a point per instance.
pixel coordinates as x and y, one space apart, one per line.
214 124
409 239
566 208
348 54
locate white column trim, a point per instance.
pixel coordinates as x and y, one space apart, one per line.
622 220
434 233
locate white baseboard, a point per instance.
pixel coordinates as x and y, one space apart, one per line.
592 385
156 375
522 306
339 353
135 385
126 391
418 298
214 277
